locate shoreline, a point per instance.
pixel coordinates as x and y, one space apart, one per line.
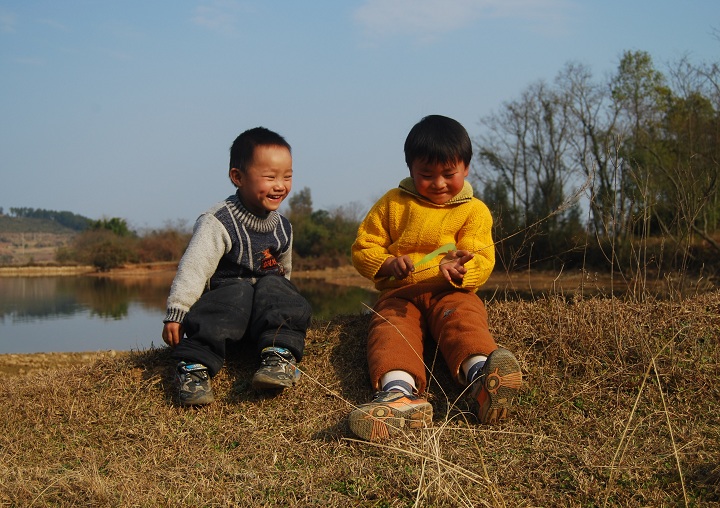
500 282
43 271
19 364
72 270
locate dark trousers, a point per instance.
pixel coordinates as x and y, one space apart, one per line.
270 313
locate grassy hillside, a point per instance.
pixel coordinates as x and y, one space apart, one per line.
28 226
620 407
24 240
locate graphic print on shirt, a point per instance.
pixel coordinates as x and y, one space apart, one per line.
270 263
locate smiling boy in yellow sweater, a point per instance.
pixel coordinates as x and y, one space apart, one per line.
427 245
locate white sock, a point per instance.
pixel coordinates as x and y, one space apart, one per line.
398 380
471 366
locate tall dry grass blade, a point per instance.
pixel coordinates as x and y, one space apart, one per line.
670 430
455 468
622 445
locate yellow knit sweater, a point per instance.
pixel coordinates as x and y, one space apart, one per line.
404 223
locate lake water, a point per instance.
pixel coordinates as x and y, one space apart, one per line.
94 313
91 313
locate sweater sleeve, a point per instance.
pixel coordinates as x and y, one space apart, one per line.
209 242
476 237
370 249
285 257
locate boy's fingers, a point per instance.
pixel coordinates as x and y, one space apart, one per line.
407 265
466 257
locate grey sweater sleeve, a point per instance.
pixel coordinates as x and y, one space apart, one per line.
285 259
210 241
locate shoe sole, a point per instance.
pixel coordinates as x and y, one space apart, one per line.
377 422
264 382
197 401
500 386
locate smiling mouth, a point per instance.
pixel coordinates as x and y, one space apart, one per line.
442 196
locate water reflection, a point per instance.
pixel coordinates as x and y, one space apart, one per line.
34 298
87 313
328 300
90 313
84 313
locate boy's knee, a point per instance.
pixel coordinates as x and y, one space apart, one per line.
276 286
277 292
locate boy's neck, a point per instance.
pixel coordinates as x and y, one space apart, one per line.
408 185
263 216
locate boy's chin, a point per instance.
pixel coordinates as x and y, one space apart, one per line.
260 209
438 200
273 205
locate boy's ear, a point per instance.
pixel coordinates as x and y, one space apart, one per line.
236 176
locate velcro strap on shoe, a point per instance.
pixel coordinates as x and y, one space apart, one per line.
194 367
280 351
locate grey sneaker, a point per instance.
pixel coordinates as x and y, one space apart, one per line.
277 370
194 384
390 414
496 386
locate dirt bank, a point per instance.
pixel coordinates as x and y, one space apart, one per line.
19 364
143 269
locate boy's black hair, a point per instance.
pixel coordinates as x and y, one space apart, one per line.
438 139
243 148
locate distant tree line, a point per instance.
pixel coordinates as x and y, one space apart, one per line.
619 172
110 243
321 238
66 219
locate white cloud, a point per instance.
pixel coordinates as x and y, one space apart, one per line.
7 21
428 19
54 24
221 16
30 61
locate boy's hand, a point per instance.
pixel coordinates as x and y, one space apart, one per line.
397 267
452 266
172 332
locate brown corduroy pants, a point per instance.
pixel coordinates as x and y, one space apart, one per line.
456 320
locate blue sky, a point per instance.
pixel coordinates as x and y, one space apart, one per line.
128 109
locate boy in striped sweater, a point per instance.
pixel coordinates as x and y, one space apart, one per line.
427 246
233 281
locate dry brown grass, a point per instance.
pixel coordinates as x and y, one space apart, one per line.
620 407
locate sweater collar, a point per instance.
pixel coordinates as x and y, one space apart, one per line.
466 194
252 221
